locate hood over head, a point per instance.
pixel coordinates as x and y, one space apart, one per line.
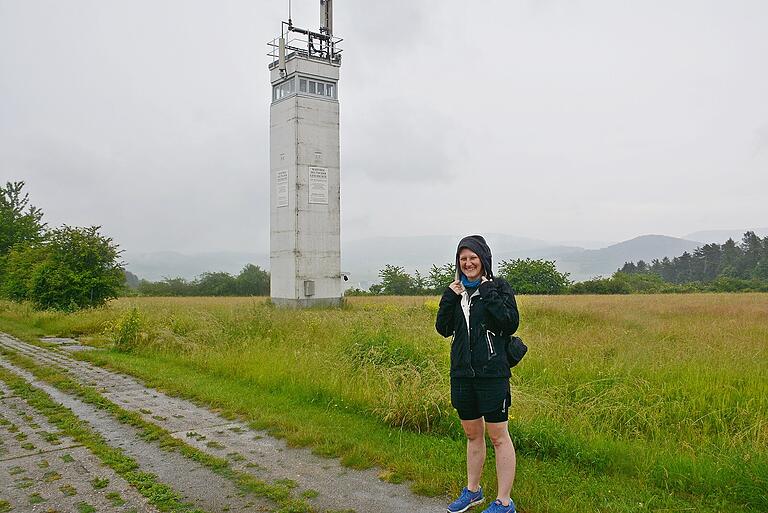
476 244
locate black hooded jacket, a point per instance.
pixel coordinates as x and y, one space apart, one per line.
478 349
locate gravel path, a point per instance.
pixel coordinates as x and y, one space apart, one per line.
250 451
196 483
43 470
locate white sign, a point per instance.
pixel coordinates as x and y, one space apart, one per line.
281 188
318 185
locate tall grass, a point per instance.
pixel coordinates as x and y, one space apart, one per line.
669 389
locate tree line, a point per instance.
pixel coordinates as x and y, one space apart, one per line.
527 276
727 267
251 281
747 260
76 267
63 268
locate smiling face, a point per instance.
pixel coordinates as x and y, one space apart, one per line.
470 264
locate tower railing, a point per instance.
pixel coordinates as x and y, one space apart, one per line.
312 45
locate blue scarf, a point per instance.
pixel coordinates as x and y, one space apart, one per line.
470 284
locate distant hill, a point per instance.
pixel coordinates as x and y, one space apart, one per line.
593 262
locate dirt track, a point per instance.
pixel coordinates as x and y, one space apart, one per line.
253 452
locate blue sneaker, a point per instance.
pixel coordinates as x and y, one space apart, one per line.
498 507
466 500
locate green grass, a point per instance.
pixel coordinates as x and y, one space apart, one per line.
68 490
657 401
84 507
115 499
99 482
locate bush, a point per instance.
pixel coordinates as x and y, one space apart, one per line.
396 282
252 281
440 277
71 268
17 272
729 284
643 283
534 276
601 285
126 332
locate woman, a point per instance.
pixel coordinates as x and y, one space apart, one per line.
479 311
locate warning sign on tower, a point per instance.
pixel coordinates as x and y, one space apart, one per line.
282 188
318 185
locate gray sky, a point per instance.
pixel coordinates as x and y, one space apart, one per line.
559 120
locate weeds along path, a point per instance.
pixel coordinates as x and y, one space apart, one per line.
197 485
41 468
324 482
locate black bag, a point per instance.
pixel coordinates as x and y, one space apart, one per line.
516 349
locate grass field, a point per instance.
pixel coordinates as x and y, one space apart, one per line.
624 403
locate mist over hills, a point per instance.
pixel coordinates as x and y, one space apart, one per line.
363 259
586 264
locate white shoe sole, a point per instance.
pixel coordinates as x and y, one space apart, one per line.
471 504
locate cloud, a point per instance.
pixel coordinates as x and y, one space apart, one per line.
402 143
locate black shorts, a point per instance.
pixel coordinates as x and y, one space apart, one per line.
481 397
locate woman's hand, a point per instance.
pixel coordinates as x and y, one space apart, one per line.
484 279
457 287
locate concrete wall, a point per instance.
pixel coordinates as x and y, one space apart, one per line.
305 236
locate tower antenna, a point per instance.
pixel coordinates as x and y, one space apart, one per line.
326 17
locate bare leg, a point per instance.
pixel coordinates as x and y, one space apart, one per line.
505 458
475 431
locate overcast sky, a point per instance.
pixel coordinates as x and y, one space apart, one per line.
559 120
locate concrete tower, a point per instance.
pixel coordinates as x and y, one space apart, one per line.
305 246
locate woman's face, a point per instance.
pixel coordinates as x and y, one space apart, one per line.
470 264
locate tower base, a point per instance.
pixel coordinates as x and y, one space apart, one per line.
283 302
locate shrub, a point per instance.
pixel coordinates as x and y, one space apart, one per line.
126 331
77 268
601 285
534 276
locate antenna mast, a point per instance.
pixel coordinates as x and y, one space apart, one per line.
320 44
326 17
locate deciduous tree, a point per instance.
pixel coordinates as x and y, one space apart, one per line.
534 276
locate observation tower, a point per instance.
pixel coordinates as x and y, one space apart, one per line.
305 220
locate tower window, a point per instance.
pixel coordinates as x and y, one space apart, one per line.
305 85
325 89
283 89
